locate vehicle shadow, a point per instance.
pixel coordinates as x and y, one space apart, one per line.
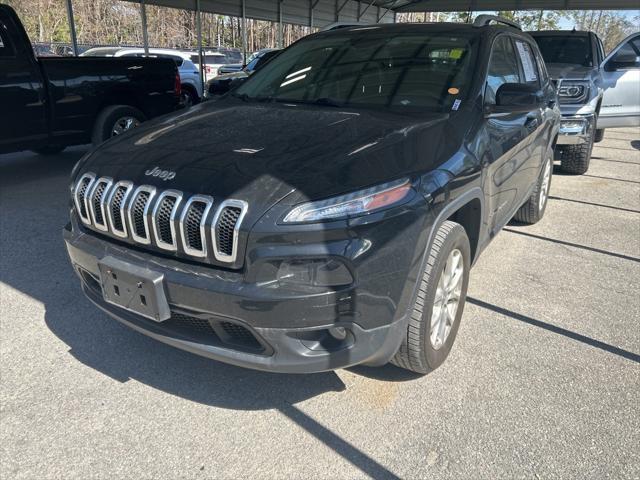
34 261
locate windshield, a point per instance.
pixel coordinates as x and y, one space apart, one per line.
369 69
575 50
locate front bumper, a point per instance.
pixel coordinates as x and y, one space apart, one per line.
214 313
576 129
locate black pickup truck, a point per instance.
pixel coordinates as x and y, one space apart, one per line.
47 104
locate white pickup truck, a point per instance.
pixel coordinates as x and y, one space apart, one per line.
596 91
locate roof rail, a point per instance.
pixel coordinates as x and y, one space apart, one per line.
339 25
483 20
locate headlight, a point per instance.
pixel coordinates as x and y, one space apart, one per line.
357 203
573 91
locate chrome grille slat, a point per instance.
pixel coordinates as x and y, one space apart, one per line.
192 225
163 219
80 194
97 198
138 211
116 207
225 228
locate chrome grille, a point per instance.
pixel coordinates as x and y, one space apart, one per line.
192 225
116 205
138 214
167 219
225 229
81 191
163 218
97 202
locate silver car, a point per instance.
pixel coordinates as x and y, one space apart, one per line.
595 91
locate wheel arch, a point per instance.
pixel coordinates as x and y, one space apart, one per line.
468 211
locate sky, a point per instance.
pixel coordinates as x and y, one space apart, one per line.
565 23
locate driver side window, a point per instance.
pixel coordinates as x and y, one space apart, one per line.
6 50
628 56
503 68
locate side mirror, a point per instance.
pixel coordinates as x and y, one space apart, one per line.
623 60
516 96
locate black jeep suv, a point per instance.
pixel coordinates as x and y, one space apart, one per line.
327 212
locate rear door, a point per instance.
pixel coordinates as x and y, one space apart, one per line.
536 129
621 82
508 134
23 121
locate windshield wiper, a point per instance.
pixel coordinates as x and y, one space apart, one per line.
247 98
327 102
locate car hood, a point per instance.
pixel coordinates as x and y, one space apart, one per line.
260 152
571 71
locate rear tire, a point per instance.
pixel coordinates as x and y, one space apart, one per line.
574 159
533 209
188 97
49 149
423 349
115 120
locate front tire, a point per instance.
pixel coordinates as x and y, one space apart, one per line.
114 121
533 209
575 159
436 313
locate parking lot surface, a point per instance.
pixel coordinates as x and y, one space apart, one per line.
543 381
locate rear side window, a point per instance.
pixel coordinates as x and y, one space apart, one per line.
6 49
528 62
503 67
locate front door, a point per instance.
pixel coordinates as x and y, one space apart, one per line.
621 82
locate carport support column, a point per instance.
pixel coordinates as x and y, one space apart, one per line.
145 36
280 25
72 27
244 33
199 34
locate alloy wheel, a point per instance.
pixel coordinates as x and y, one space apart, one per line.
447 299
544 188
123 124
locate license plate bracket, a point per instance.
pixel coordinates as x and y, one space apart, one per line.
133 288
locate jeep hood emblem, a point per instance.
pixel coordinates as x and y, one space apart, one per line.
163 174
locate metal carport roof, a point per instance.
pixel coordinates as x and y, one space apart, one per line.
319 13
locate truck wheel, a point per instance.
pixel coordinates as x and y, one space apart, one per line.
115 120
574 159
599 136
435 316
533 209
49 149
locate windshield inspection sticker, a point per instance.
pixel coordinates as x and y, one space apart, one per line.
528 66
456 104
